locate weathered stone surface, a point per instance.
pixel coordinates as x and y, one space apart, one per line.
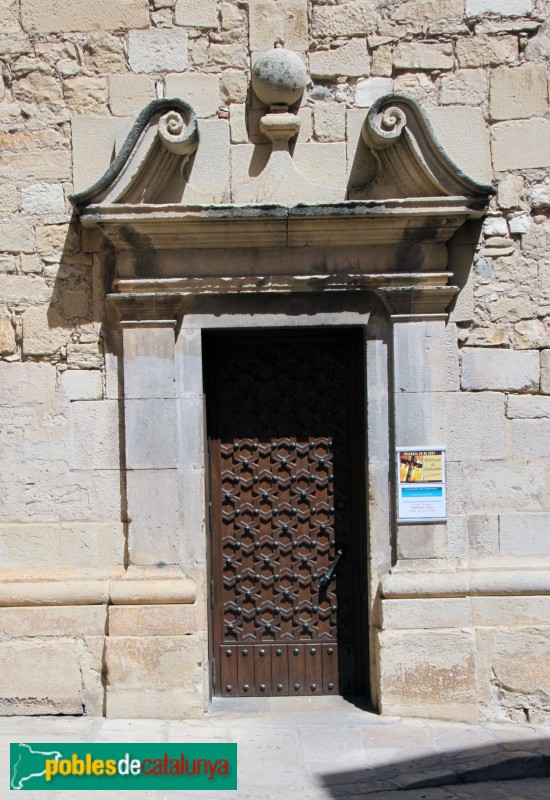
525 534
47 164
278 20
520 611
464 87
197 13
483 435
24 289
506 8
153 511
83 15
233 55
26 383
149 363
520 92
370 89
202 91
510 190
420 541
94 435
519 660
157 50
348 19
156 662
521 145
504 370
209 180
482 50
128 94
93 144
350 59
33 683
545 371
7 334
104 52
43 198
233 85
426 613
421 55
53 621
9 17
9 198
75 544
159 620
44 331
430 675
307 157
530 437
428 11
86 95
329 122
237 124
83 356
150 443
492 487
82 384
16 236
154 704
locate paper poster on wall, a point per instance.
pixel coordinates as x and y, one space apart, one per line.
421 484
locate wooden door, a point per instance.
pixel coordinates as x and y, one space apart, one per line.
286 496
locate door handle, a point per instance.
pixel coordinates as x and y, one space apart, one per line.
325 579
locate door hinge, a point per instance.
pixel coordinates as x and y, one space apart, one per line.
210 517
214 673
212 593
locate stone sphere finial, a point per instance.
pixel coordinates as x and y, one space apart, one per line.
279 77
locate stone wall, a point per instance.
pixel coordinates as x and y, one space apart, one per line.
74 75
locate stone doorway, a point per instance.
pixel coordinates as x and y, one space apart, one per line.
286 493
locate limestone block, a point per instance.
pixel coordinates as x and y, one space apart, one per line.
189 363
79 384
520 660
153 512
201 90
453 125
43 198
155 704
38 88
475 425
452 366
24 289
528 407
421 55
329 122
209 174
8 264
157 50
232 16
419 417
158 620
7 334
197 13
503 370
493 486
483 50
30 263
233 86
234 55
520 611
9 17
521 145
83 356
16 236
426 613
94 435
149 433
49 621
370 89
530 437
47 164
432 675
464 87
32 681
237 124
308 156
278 20
149 363
350 59
521 223
129 94
58 16
530 333
26 383
519 92
525 534
428 11
545 371
104 52
506 8
44 331
419 357
348 19
156 662
93 144
86 95
9 198
510 190
65 544
420 541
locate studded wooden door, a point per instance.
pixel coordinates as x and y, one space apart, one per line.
286 497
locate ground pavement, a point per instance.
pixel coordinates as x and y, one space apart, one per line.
321 749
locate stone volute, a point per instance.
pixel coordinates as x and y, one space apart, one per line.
279 79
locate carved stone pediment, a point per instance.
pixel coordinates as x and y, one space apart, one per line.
294 240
